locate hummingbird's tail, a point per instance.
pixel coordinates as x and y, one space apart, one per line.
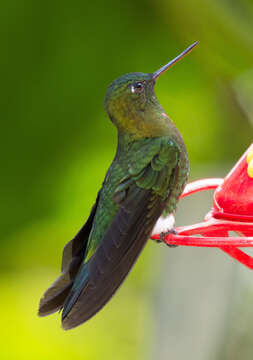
73 255
54 298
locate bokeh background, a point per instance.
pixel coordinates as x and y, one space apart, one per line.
57 59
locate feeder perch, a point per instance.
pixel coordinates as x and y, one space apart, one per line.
232 211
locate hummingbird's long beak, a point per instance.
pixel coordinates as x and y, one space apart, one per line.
159 72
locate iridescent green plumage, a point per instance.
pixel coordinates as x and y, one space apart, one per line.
146 177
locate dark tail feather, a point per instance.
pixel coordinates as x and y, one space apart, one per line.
79 286
55 296
73 255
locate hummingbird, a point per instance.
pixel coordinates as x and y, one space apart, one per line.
146 177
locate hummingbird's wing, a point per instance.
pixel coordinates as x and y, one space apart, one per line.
72 257
141 197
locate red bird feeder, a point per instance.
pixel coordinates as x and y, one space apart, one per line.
232 211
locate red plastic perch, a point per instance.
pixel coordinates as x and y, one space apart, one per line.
232 211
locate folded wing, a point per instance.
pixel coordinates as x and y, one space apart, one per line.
141 197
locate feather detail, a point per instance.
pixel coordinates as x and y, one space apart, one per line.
123 254
73 254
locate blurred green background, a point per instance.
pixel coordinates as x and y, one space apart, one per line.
57 59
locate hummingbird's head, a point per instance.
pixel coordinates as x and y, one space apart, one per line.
127 99
131 103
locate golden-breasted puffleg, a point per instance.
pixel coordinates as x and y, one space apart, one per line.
146 177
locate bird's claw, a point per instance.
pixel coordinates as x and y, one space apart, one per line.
164 234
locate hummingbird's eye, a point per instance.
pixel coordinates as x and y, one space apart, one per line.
137 88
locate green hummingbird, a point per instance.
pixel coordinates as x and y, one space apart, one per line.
146 178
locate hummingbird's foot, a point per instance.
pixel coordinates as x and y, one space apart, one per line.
164 234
